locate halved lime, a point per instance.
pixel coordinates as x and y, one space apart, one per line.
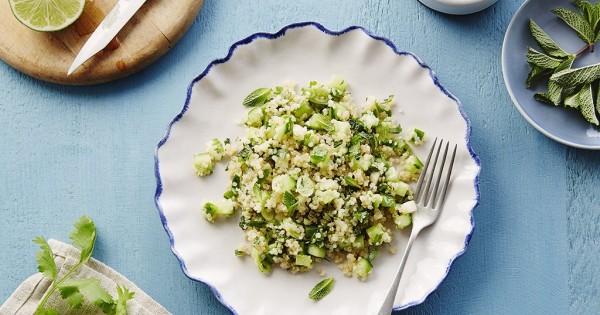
47 15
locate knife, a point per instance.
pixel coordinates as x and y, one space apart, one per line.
107 30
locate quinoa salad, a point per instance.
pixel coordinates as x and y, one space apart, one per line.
315 177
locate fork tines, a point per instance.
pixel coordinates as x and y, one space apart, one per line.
423 193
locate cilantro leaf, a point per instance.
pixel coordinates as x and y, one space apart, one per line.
548 45
75 291
321 289
577 22
124 295
84 237
45 259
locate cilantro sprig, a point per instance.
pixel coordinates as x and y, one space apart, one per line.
573 88
76 291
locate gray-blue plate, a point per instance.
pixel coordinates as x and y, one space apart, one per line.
564 126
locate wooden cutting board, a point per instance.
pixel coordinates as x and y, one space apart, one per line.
152 31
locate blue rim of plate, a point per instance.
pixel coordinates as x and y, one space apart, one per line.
516 102
276 35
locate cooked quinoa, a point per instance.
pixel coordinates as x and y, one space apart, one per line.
315 177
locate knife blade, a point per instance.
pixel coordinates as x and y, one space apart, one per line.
107 30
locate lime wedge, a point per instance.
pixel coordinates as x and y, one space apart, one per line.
47 15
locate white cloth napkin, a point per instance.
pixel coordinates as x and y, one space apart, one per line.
28 295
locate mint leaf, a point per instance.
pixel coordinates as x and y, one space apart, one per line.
290 202
554 89
578 76
578 23
542 97
541 60
548 45
46 311
572 101
535 74
586 102
74 291
257 97
84 237
45 259
124 295
321 289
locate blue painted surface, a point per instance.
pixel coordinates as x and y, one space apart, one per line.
68 151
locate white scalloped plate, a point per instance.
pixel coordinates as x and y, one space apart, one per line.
305 52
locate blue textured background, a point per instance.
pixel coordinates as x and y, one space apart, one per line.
68 151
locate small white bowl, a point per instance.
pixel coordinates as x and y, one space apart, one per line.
458 7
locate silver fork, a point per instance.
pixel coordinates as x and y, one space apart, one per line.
429 205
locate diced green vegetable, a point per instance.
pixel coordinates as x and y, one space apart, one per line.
303 260
349 181
413 164
318 155
255 117
408 207
388 201
317 251
402 220
363 267
203 163
283 183
304 111
320 122
375 234
305 186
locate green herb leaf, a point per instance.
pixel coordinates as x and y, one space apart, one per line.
542 97
45 259
75 291
541 60
123 295
535 74
46 311
321 289
572 101
554 89
257 97
290 202
588 11
548 45
577 22
84 237
579 76
586 101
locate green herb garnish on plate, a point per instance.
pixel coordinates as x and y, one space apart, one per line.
574 88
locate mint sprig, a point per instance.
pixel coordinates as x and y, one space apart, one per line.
76 291
573 88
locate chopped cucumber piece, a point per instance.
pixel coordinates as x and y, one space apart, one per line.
318 95
341 112
399 188
359 242
304 111
375 234
320 122
391 175
255 117
362 268
259 259
310 139
388 201
283 183
413 164
305 186
303 260
317 251
318 155
203 163
403 220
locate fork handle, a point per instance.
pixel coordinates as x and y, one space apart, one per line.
388 303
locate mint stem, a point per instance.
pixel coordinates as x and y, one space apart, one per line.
584 48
